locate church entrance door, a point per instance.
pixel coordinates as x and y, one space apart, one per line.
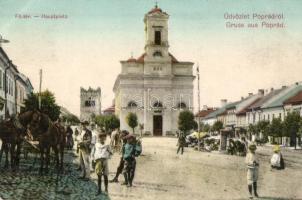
157 125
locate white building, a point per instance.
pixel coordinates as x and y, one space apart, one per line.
90 103
155 86
14 87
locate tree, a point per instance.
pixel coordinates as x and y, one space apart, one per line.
186 121
251 130
291 127
262 127
131 120
48 104
112 122
217 126
107 122
73 119
206 128
275 129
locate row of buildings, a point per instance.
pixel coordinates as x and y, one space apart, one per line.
14 87
264 105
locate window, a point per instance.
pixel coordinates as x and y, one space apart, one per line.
157 40
157 105
280 115
132 104
264 117
157 68
6 85
181 105
87 103
1 81
273 116
157 54
268 117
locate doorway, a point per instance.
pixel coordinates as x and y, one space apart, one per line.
157 125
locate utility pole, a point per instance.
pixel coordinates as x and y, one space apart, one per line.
40 88
197 69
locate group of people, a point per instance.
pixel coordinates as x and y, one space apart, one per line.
94 154
252 163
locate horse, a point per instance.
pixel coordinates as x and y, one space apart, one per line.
12 133
50 136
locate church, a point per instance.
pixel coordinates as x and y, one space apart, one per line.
156 86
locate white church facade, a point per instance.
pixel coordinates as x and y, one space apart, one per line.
155 86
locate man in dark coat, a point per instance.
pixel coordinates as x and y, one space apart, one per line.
121 164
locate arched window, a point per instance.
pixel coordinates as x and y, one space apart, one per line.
181 105
157 105
132 104
157 54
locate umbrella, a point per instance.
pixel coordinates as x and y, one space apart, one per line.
200 135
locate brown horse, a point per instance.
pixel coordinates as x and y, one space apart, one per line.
12 133
50 136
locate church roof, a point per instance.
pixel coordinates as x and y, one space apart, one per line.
141 59
131 59
156 9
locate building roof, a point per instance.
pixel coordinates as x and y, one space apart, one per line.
296 99
156 9
246 109
140 59
221 110
257 104
204 113
110 109
290 92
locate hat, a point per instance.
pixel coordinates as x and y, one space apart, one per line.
85 123
129 136
252 147
125 132
276 148
102 134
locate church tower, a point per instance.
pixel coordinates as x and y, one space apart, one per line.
156 33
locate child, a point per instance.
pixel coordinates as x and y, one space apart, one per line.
277 161
252 170
101 155
130 151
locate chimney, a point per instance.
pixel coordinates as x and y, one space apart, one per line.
284 86
250 94
223 102
261 91
204 107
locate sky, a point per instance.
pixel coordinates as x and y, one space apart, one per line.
85 49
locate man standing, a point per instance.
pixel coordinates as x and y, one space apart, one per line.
121 164
131 150
93 142
181 142
252 170
85 150
100 154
